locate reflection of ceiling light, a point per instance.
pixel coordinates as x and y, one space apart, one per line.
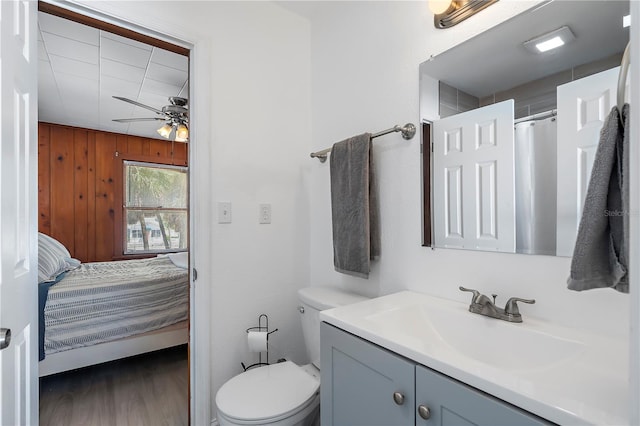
549 44
550 40
448 13
165 131
626 21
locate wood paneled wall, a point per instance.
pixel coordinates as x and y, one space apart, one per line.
80 185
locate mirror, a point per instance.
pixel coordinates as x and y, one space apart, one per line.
530 201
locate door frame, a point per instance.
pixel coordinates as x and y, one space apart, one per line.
199 322
634 219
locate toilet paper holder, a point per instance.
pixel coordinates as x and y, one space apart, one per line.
263 326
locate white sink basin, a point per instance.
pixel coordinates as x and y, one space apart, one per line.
488 340
565 375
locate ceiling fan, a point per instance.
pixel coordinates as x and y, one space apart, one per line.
175 117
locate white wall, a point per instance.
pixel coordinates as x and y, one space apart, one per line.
365 58
250 116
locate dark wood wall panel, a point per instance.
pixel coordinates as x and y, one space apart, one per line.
44 195
80 185
61 163
91 196
105 195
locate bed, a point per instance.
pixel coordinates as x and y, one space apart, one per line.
101 311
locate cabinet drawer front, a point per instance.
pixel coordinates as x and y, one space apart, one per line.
358 382
453 403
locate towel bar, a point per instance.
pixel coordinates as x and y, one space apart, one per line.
622 77
408 132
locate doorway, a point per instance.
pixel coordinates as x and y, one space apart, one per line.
83 148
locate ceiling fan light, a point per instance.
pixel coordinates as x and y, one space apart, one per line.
165 131
182 133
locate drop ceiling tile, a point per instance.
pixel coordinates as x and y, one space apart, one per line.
159 88
139 112
78 91
47 86
51 116
146 129
165 74
90 117
121 71
68 29
169 59
113 127
110 87
49 106
42 52
154 100
72 49
64 65
111 109
120 39
184 92
124 53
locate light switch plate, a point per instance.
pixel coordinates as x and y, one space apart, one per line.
224 212
265 213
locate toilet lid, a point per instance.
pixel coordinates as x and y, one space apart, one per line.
266 392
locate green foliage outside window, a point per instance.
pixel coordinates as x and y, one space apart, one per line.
155 208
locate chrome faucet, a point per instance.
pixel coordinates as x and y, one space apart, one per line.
481 304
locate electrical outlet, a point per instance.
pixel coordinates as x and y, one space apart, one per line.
265 213
224 212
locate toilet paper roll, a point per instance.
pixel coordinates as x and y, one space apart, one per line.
257 341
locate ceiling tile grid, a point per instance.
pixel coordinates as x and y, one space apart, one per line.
81 68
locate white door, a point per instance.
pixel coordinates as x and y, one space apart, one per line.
473 179
583 106
18 213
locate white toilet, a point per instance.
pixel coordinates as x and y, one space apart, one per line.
283 394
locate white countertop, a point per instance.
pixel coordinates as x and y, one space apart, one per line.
577 378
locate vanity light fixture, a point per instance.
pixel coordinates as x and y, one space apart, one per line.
550 40
448 13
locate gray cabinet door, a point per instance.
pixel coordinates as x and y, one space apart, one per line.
358 382
453 403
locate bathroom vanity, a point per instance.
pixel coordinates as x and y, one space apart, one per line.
409 358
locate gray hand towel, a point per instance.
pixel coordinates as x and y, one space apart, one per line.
354 209
601 251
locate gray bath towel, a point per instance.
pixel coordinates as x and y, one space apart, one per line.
354 209
601 252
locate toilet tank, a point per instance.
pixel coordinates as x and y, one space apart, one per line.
316 299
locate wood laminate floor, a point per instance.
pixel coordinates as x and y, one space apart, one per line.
149 389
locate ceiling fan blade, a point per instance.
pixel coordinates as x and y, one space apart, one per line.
131 120
157 111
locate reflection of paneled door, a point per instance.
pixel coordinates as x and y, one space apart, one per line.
473 179
583 105
18 213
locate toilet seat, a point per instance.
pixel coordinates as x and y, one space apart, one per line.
267 394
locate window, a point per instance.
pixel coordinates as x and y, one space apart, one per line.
155 208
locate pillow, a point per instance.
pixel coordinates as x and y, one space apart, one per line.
53 258
181 260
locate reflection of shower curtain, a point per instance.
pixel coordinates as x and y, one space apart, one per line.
535 187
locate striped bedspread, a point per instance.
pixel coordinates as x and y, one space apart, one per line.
104 301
